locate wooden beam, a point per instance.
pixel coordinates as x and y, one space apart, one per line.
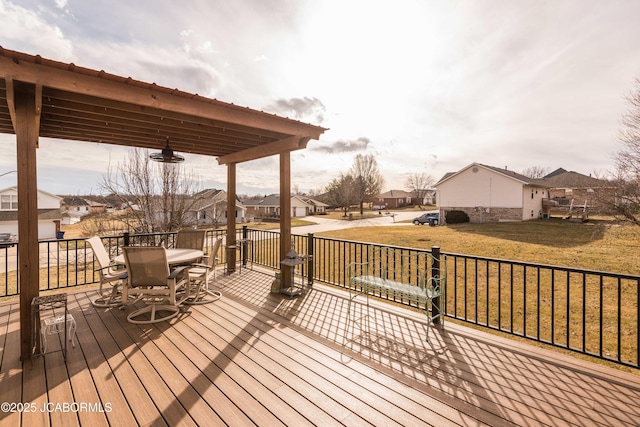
108 120
103 85
231 218
28 250
285 216
114 110
291 143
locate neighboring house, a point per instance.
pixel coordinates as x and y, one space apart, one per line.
567 188
428 197
269 206
49 215
74 208
491 194
314 207
392 199
211 209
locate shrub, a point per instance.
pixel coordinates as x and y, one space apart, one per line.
456 217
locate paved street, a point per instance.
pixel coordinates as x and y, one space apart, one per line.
325 224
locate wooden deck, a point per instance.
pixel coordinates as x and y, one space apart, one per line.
254 358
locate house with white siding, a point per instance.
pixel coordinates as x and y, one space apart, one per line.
269 206
49 215
491 194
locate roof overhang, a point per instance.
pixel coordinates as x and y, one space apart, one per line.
76 103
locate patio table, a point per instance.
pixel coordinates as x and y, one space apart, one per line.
174 256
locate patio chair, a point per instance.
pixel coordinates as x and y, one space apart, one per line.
199 275
151 281
109 275
190 239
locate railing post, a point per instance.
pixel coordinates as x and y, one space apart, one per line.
310 259
435 272
126 238
245 235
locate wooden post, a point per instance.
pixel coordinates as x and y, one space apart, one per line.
231 218
435 272
285 216
28 251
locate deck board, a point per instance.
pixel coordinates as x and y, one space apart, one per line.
254 358
10 365
136 396
107 388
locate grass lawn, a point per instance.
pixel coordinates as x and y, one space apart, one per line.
600 244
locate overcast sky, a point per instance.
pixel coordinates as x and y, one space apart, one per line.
425 86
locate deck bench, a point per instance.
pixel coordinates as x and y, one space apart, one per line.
402 275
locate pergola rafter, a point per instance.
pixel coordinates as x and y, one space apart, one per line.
45 98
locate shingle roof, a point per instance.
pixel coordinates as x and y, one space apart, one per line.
42 214
573 180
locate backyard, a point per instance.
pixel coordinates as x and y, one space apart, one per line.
601 244
551 305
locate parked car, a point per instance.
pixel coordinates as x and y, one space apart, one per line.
427 218
7 239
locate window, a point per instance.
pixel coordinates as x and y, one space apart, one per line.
9 202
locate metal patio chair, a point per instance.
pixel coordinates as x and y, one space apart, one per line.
151 281
109 275
201 273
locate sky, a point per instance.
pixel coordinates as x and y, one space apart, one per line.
425 86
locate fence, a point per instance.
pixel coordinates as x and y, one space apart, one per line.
589 312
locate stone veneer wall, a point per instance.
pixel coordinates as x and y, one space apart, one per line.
481 215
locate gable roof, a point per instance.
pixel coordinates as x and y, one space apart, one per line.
15 188
273 200
270 200
394 194
211 197
74 201
561 178
524 180
313 202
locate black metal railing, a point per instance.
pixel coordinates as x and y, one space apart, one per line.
589 312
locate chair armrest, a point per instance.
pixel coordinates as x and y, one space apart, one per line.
123 272
178 271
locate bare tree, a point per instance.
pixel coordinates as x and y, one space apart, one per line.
367 177
625 178
159 194
341 192
536 172
419 183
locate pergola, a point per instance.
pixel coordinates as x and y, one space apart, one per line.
41 97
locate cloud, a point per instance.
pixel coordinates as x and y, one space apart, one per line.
23 30
342 146
307 109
